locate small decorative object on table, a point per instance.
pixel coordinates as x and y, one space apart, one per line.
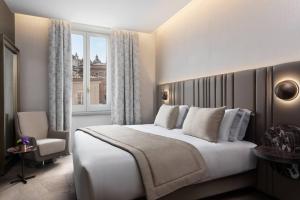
23 142
22 148
281 146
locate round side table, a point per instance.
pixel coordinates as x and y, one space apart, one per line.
21 151
287 164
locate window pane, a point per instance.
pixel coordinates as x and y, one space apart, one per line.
98 52
77 62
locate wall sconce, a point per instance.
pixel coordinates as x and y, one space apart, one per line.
287 90
164 95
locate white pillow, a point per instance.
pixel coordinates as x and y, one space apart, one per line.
240 124
226 123
167 116
183 110
188 121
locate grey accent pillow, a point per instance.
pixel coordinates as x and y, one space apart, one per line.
244 124
226 123
183 110
240 125
167 116
204 123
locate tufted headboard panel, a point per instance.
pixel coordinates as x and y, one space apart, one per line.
251 89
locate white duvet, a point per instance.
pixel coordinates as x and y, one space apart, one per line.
102 171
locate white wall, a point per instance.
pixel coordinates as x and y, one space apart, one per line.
216 36
80 121
31 37
32 40
147 76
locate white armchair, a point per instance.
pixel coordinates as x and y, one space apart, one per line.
49 143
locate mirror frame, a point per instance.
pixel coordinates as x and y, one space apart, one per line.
6 43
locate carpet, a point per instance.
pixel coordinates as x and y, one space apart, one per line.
54 181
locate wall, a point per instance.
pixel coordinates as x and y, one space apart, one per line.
147 76
7 21
32 39
210 37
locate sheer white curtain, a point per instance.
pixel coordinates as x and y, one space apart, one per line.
60 75
125 84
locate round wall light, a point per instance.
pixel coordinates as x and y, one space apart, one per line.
287 90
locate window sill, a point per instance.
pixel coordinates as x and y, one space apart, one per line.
89 113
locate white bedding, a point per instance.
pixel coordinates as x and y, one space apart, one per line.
102 171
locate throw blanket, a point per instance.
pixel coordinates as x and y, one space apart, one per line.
165 164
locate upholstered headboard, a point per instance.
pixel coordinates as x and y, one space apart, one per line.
251 89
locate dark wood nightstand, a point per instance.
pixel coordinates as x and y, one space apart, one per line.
278 173
285 163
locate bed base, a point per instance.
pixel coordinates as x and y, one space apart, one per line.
214 187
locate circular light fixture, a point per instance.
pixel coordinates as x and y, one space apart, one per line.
287 90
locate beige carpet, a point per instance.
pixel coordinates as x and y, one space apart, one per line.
53 182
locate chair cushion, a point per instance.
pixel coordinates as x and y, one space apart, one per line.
51 145
33 124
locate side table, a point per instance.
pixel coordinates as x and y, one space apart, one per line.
21 151
285 163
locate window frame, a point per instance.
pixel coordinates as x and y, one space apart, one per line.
87 107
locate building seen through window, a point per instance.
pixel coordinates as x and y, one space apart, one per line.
97 81
89 62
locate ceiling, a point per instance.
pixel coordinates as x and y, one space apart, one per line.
139 15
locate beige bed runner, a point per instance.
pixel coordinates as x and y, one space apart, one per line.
165 164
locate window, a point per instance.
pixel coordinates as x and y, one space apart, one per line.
90 71
79 97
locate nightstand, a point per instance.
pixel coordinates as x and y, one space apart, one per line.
278 173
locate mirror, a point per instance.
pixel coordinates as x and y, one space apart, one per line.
9 104
10 94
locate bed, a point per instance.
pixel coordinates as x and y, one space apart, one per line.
103 171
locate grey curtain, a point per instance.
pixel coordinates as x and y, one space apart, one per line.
60 75
125 78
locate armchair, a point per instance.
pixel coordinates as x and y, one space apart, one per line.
50 144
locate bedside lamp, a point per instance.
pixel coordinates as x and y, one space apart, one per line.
164 95
287 90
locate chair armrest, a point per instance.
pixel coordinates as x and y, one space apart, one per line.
32 141
59 134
